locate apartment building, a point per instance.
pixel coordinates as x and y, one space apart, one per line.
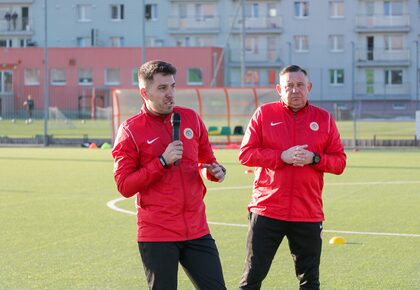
357 52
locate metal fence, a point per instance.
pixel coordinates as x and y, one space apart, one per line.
83 115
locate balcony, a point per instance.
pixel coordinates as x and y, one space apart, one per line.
260 24
18 26
202 25
265 58
16 2
382 57
380 91
383 23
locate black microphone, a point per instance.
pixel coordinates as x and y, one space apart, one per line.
175 121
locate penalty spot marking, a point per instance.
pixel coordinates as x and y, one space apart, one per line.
112 205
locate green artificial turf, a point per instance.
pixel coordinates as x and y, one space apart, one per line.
58 233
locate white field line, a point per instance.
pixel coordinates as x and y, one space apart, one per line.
331 231
331 184
112 205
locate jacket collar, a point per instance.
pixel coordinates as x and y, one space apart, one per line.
160 118
305 108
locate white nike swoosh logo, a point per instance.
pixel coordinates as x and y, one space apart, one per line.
151 141
275 124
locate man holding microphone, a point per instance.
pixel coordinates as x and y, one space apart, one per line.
158 156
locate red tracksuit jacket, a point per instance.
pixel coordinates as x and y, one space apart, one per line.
282 191
170 204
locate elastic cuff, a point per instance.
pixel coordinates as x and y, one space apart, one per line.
163 161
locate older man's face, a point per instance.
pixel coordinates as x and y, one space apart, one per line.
294 89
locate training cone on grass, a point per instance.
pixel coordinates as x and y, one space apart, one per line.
337 241
106 145
93 146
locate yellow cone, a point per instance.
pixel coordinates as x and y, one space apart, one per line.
337 241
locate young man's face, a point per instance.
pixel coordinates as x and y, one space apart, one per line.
293 89
160 94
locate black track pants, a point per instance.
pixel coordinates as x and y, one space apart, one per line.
199 258
264 238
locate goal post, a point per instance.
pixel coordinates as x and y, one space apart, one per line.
58 120
227 109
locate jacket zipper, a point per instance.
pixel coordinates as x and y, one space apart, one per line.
184 198
293 173
181 177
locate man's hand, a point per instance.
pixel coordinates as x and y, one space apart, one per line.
216 170
173 152
297 155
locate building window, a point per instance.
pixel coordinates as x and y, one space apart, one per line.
252 77
184 42
117 41
58 76
336 77
117 12
155 42
251 44
252 10
199 41
209 11
301 9
272 9
393 77
85 76
272 76
370 81
6 43
194 76
336 9
272 49
393 42
182 10
393 8
31 76
150 12
26 42
134 77
399 106
112 76
370 8
336 43
153 12
83 42
301 43
6 81
84 12
199 12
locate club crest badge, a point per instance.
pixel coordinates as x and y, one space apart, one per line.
188 133
314 126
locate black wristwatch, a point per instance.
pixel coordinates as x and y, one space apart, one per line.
316 159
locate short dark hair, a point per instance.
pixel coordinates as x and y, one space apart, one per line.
150 68
293 68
